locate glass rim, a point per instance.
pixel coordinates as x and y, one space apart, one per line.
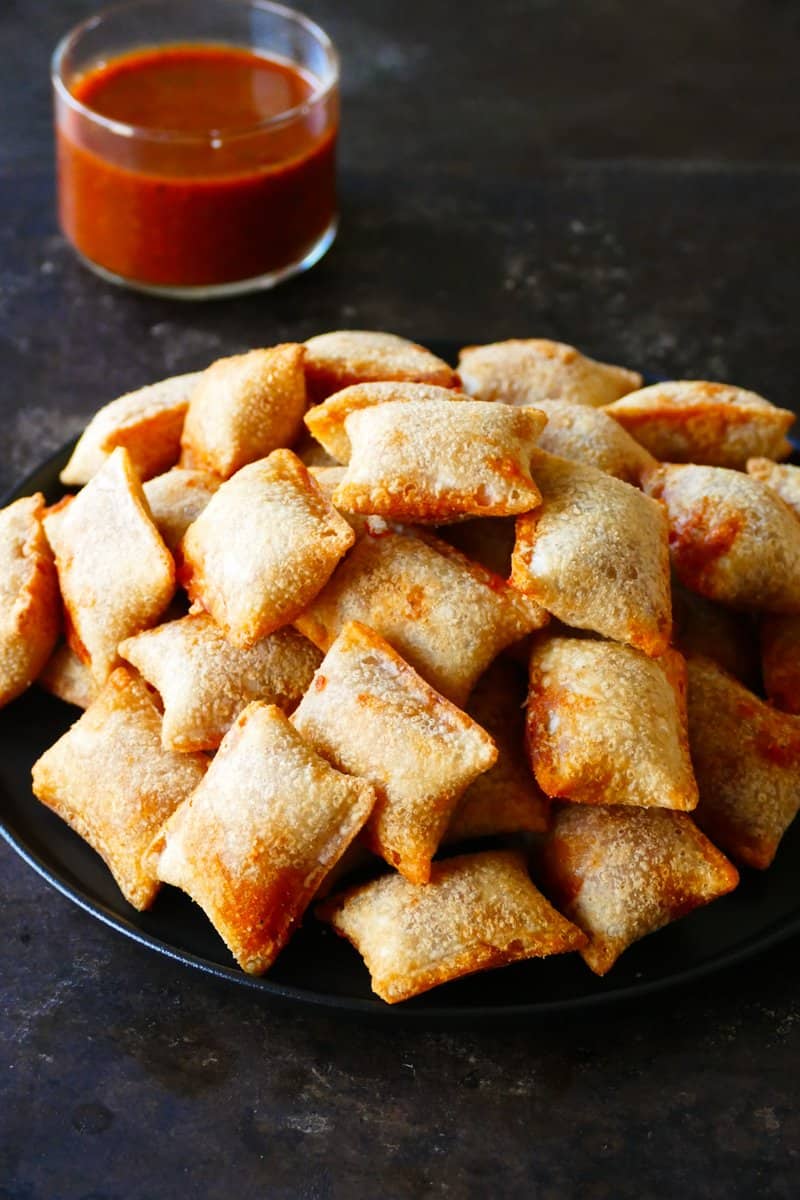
229 133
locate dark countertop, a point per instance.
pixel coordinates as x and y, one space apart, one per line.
619 175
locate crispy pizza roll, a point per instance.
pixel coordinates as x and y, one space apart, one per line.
731 538
479 911
729 637
433 461
526 370
326 421
595 555
447 616
780 660
346 356
693 421
115 572
30 608
586 435
110 780
255 840
176 499
779 477
607 725
67 678
369 713
147 422
205 682
621 873
506 798
267 542
747 761
243 407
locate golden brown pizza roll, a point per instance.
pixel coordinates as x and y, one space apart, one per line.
176 499
595 554
729 637
485 540
780 660
110 780
243 407
693 421
448 617
67 678
267 542
205 682
621 873
147 422
747 761
526 370
607 725
479 911
779 477
506 798
586 435
731 538
255 840
346 356
433 461
30 607
369 713
115 572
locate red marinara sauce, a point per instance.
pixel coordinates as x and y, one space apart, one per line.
222 169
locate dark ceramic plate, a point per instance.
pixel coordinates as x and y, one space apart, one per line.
318 969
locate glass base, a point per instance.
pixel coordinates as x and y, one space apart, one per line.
218 291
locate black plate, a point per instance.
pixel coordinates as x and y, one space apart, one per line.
318 969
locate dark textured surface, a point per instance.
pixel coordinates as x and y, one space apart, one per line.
621 175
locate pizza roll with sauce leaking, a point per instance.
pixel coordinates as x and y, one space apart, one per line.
176 500
147 422
326 421
432 461
607 725
257 837
526 370
781 478
731 538
746 758
479 911
448 617
266 544
780 660
621 873
244 407
506 798
110 780
693 421
595 555
30 607
586 435
115 572
67 678
369 713
347 356
729 637
205 682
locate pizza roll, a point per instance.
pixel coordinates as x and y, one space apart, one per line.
607 725
115 572
731 538
479 911
586 435
448 617
243 407
176 499
67 678
267 542
692 421
205 682
147 422
779 477
369 713
780 660
110 780
526 370
621 873
506 798
435 462
327 420
30 608
255 840
595 555
747 761
346 356
729 637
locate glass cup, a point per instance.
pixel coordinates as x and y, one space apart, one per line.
197 215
